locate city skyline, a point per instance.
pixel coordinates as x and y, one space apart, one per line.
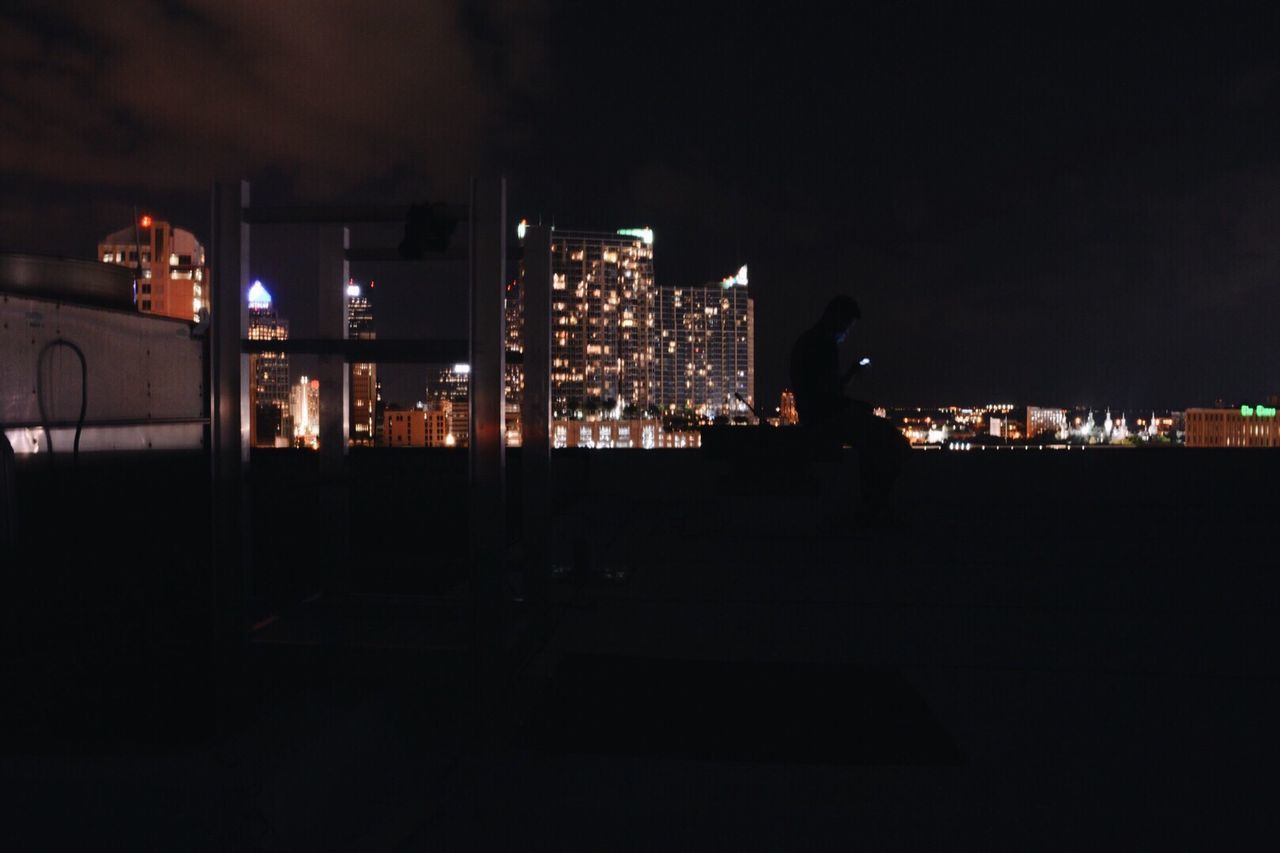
446 396
1020 209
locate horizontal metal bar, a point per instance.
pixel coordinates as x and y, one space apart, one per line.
131 422
391 254
379 351
341 214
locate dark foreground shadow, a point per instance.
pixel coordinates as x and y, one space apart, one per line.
774 712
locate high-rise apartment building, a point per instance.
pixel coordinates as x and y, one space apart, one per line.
363 410
172 278
706 348
269 424
603 319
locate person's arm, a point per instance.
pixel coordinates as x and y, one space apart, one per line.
852 371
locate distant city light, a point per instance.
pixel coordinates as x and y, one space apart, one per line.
462 368
146 220
353 290
259 297
522 228
645 234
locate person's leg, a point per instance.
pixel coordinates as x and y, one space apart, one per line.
882 451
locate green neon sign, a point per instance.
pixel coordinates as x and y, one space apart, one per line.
645 234
1258 411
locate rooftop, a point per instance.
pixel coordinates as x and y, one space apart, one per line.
1064 648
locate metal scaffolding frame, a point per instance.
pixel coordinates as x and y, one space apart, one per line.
493 638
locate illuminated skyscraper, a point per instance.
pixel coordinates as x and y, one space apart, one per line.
513 385
362 414
603 322
269 385
170 265
513 309
304 406
449 393
706 347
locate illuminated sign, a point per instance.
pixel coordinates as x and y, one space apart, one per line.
645 234
1258 411
740 278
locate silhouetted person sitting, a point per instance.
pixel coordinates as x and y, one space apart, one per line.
823 408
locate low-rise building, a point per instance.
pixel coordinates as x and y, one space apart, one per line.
1247 426
416 428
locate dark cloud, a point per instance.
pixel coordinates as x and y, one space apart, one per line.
165 94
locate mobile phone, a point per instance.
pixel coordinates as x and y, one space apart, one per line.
864 361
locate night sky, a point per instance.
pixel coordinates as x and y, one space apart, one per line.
1071 205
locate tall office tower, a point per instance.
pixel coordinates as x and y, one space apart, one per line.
602 321
169 264
513 380
449 393
362 411
269 372
513 394
513 312
304 406
706 348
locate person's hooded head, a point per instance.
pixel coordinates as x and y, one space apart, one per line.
840 315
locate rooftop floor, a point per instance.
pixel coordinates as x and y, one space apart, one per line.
1065 648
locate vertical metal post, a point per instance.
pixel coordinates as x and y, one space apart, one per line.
536 425
487 483
332 273
229 410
